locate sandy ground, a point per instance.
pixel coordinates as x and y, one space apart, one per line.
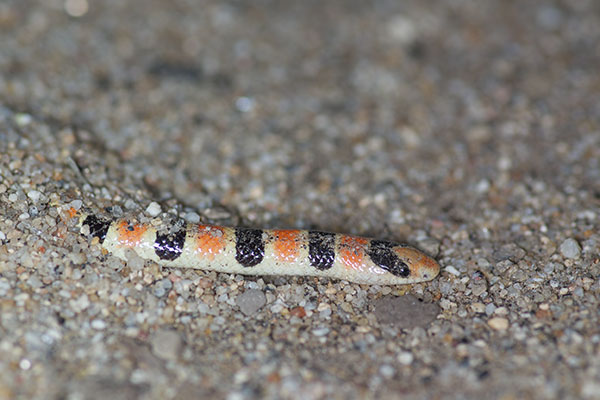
469 129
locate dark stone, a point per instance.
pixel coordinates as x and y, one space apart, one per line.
405 312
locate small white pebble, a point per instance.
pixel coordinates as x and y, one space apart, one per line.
154 209
446 304
320 331
2 235
244 104
405 358
76 8
192 217
450 269
80 303
277 308
21 298
570 248
130 204
402 29
482 186
98 324
76 204
24 364
502 311
498 323
387 371
490 308
34 195
504 163
23 119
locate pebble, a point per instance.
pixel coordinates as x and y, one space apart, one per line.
478 308
4 287
482 186
498 323
80 304
153 209
570 248
21 298
134 261
321 331
387 371
34 195
244 104
402 29
405 358
25 364
166 344
130 205
98 324
501 311
76 204
251 301
23 119
490 308
509 251
299 312
162 287
192 217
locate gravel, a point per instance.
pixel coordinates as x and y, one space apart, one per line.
251 301
570 248
467 129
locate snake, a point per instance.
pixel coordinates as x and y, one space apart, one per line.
253 251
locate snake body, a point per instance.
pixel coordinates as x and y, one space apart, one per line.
250 251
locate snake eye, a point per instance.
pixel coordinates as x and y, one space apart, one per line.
401 270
